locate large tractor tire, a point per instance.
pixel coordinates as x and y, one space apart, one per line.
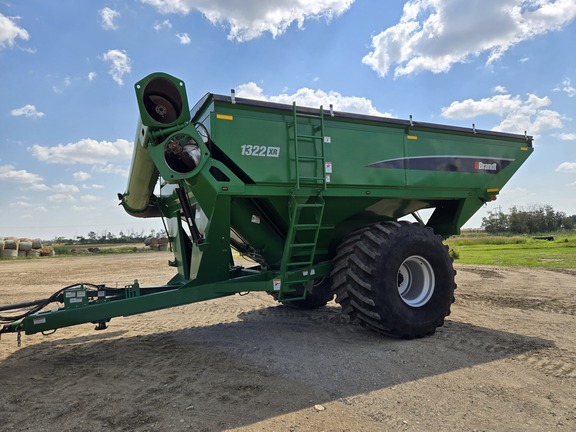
320 294
396 278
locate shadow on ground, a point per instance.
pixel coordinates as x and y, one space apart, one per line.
273 361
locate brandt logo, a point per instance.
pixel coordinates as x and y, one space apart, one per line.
481 166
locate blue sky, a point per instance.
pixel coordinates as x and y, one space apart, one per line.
68 112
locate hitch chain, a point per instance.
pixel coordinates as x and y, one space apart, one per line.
19 339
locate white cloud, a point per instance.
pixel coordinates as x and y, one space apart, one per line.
518 115
81 176
433 35
27 111
567 88
120 64
8 172
41 187
64 188
568 136
500 89
566 167
10 31
61 197
59 88
91 76
86 151
89 198
313 98
162 25
111 169
184 38
92 186
108 16
20 205
500 105
249 20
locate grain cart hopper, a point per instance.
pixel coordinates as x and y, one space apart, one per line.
313 197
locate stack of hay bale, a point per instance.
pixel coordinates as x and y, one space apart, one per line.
9 247
163 243
155 243
12 247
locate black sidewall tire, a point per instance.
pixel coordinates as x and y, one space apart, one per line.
388 301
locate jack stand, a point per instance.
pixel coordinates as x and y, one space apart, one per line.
101 325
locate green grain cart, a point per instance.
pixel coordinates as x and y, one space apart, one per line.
314 198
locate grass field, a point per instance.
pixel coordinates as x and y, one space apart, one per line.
465 249
515 251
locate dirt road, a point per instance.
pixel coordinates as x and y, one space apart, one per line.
505 360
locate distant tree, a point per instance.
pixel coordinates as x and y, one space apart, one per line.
496 222
568 222
529 220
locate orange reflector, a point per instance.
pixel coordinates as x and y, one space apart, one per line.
493 198
412 137
224 117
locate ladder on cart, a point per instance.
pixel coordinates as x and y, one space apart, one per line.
306 208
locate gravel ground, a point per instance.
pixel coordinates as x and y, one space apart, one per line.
505 360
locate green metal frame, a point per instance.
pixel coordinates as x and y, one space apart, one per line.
291 183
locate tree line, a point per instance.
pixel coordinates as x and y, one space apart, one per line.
108 237
529 220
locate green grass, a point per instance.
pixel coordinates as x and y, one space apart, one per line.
514 251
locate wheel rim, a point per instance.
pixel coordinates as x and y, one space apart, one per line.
415 281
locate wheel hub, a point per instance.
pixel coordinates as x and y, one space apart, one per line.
416 281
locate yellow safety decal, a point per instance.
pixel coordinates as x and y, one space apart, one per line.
493 190
224 117
412 137
524 148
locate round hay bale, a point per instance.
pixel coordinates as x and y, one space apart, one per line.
9 253
36 244
33 253
11 243
155 246
147 241
154 241
163 247
47 251
1 244
163 240
21 253
25 245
